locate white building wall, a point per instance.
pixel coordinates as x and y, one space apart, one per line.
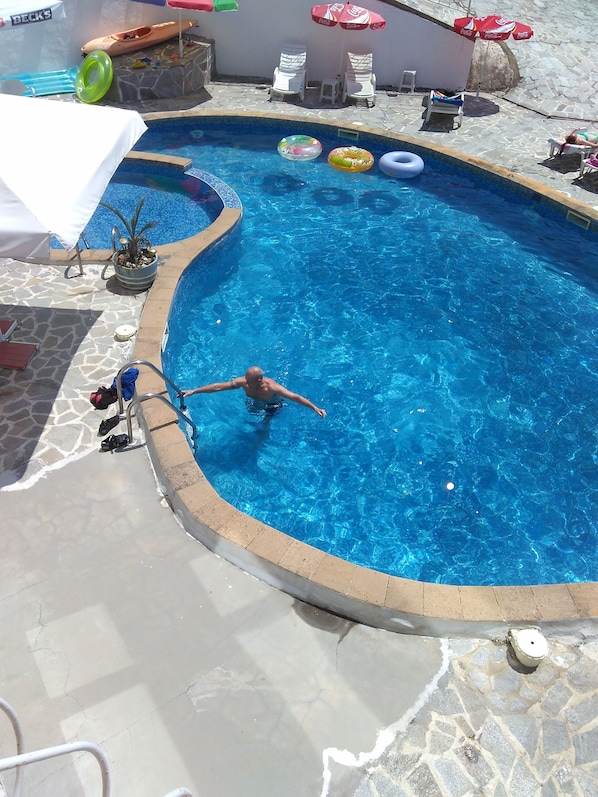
248 41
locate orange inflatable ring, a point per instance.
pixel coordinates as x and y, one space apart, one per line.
351 159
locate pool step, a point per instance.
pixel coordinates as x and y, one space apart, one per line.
61 81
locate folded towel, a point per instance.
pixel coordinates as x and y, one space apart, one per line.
438 96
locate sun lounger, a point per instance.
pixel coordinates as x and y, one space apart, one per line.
16 355
290 74
588 164
558 146
451 104
7 327
359 82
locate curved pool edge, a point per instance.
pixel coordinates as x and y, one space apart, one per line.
367 596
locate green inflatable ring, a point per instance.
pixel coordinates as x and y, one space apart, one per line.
94 76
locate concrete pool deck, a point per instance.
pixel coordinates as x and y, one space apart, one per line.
120 629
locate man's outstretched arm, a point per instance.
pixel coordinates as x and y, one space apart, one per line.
299 399
215 387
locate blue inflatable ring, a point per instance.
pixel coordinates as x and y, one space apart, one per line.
94 77
401 164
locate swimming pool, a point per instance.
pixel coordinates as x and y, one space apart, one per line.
182 204
463 357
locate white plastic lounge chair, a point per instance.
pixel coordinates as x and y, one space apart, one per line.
290 76
359 82
588 164
451 104
558 146
12 85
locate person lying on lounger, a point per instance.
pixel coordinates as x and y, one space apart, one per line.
582 138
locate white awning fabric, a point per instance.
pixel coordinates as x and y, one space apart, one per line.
56 159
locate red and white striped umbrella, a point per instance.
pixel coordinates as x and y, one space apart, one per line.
348 16
492 28
199 5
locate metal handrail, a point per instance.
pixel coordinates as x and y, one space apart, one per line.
22 759
115 234
144 397
62 749
119 392
20 739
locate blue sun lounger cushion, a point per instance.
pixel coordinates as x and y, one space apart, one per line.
449 100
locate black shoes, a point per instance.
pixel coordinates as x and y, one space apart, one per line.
114 442
109 424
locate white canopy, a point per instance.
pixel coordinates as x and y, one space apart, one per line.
56 160
21 13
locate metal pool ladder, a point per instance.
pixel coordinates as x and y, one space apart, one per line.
131 409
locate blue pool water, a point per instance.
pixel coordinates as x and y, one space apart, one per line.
448 326
182 206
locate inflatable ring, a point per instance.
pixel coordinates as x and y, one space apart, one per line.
401 164
299 148
351 159
94 76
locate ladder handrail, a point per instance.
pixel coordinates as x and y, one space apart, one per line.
20 739
119 392
144 397
62 749
115 235
23 759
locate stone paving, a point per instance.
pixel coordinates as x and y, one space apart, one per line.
494 728
489 727
559 76
74 321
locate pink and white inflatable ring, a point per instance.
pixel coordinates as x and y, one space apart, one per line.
401 164
299 148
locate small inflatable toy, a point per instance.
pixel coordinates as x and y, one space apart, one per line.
299 148
351 159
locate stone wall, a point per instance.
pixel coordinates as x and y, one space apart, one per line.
158 72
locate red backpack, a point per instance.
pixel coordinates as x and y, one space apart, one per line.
103 397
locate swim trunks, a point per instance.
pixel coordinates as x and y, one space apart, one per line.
270 408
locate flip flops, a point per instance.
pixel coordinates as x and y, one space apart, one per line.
114 442
108 424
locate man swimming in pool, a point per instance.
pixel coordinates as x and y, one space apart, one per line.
265 392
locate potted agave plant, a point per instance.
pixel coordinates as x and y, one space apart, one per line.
135 261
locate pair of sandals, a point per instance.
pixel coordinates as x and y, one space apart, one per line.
114 442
